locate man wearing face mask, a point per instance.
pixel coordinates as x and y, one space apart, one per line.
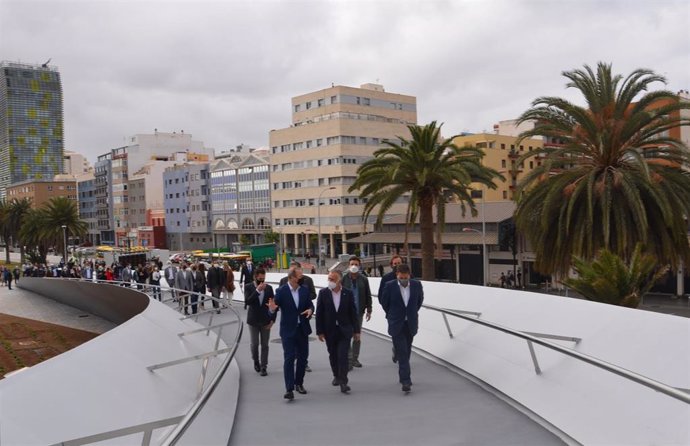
305 281
259 318
358 284
401 300
396 260
337 322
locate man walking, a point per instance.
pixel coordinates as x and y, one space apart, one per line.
396 261
184 281
337 322
296 308
215 280
170 275
259 318
401 300
358 284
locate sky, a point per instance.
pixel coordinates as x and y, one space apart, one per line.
225 71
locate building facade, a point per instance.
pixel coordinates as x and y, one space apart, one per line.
333 132
40 191
31 123
501 152
88 211
187 207
240 200
76 164
104 202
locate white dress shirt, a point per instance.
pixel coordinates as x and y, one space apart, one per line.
405 292
336 298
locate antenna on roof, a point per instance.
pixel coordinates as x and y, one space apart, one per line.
45 65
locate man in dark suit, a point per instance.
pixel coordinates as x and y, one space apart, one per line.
304 281
388 277
401 300
259 318
296 309
246 275
336 323
215 279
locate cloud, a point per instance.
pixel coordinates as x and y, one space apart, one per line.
225 70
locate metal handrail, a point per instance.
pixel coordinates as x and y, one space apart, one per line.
185 420
534 338
531 338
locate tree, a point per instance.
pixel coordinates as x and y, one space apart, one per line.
18 211
245 240
610 280
271 237
61 211
35 234
432 171
611 175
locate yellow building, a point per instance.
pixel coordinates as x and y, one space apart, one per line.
502 154
333 132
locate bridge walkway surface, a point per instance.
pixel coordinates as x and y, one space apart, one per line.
443 407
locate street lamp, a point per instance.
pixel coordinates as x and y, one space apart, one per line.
318 210
64 240
484 262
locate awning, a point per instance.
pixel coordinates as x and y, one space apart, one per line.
449 238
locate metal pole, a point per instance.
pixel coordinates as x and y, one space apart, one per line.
485 261
64 241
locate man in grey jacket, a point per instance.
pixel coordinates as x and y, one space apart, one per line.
184 280
358 283
170 275
127 275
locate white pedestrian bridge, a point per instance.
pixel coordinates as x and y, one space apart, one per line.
491 366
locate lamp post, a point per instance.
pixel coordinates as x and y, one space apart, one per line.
318 210
483 233
64 241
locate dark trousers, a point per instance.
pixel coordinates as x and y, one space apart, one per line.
295 349
156 290
402 343
194 299
338 346
258 336
215 292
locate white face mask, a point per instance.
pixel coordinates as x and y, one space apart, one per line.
332 285
354 269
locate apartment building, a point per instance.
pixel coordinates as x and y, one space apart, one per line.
40 191
315 160
88 211
502 154
187 207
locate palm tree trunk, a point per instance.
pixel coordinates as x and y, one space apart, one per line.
426 228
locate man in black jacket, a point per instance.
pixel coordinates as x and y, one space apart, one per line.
259 318
215 279
337 322
305 281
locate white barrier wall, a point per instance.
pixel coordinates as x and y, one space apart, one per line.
590 404
104 384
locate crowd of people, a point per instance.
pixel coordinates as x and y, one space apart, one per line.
340 310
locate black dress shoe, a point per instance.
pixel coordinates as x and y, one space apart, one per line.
289 395
406 388
356 363
344 388
335 381
300 389
257 366
307 369
263 371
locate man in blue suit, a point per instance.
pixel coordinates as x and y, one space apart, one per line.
296 309
337 322
401 300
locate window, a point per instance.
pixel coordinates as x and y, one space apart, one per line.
503 164
366 101
319 142
297 108
503 146
320 102
505 194
334 99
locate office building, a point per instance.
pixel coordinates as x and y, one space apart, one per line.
187 207
88 211
31 123
333 131
240 199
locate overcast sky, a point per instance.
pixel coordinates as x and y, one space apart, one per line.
225 71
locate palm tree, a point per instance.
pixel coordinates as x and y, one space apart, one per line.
61 211
18 211
34 233
610 280
613 177
432 171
